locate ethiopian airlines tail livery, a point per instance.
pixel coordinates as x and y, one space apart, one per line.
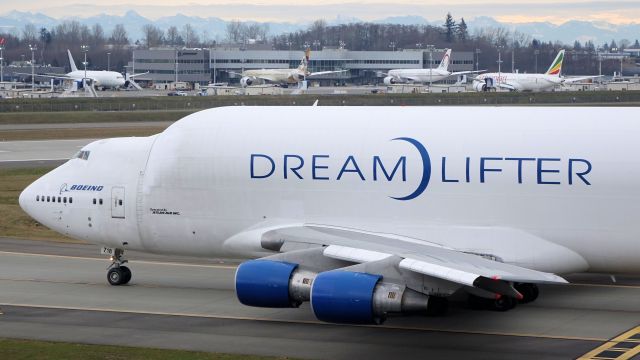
362 216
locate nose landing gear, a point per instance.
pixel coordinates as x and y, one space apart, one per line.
117 273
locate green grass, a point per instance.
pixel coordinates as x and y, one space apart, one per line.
15 222
154 106
44 350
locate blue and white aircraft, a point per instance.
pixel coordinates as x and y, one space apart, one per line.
366 212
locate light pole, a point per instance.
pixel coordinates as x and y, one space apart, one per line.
536 52
316 43
500 59
599 55
214 63
85 48
392 45
33 49
108 61
342 44
176 69
1 63
430 48
478 52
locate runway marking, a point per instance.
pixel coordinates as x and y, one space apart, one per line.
309 322
622 347
131 261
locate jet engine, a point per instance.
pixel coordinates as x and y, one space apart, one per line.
246 81
359 298
479 86
273 284
390 80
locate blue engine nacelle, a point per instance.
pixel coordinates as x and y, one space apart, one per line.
344 297
274 284
360 298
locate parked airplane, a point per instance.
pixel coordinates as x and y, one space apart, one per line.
363 216
282 76
527 82
96 79
398 76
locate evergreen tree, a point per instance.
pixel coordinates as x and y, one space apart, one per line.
463 32
449 28
613 45
577 46
636 45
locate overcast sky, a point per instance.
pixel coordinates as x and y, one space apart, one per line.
617 11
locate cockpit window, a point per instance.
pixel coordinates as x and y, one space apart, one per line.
83 154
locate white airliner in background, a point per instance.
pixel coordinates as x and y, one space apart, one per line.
282 76
365 211
98 79
397 76
527 82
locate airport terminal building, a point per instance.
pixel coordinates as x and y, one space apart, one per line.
223 64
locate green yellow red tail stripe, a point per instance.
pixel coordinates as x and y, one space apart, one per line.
556 66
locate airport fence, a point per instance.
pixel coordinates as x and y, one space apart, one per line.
203 102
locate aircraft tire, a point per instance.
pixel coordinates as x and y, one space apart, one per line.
504 303
126 272
116 276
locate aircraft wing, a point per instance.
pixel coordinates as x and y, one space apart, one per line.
139 74
467 72
320 73
50 76
482 271
235 73
578 79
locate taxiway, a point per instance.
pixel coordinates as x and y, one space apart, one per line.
55 291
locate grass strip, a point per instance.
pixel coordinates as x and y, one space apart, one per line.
45 350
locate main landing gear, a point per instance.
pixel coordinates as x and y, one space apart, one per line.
529 292
117 273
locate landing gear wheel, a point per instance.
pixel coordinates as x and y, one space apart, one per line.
117 273
504 303
529 292
126 273
116 276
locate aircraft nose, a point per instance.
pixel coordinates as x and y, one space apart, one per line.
26 199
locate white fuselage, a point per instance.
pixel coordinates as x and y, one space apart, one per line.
522 82
419 75
566 175
289 76
110 79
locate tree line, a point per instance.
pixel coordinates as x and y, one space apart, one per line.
529 54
